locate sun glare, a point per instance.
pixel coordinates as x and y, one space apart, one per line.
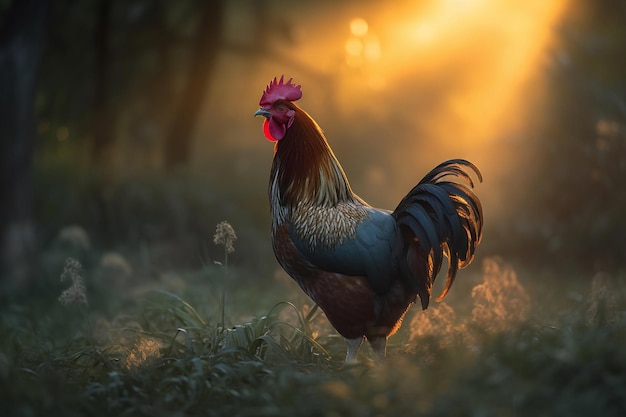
500 43
494 45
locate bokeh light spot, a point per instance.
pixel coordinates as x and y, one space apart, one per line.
359 27
354 46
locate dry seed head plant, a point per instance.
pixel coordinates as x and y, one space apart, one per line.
76 294
437 321
225 235
113 271
115 263
75 237
500 301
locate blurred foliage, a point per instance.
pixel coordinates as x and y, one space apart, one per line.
573 206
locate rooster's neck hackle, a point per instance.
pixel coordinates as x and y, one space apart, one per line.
305 170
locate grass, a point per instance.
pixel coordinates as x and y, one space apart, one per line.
152 338
160 355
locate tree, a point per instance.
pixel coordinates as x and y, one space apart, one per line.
21 48
204 53
102 125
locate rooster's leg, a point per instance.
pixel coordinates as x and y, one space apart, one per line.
379 347
353 348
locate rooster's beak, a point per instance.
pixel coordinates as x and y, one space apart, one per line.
262 112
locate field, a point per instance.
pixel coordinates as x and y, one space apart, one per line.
504 343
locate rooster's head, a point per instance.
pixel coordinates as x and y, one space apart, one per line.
277 108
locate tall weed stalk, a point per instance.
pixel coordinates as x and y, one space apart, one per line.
225 235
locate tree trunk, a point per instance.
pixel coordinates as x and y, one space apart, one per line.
203 60
102 124
21 49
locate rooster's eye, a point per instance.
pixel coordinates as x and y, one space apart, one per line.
282 107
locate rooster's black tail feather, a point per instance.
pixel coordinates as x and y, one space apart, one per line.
438 218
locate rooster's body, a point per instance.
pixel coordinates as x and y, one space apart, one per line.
363 266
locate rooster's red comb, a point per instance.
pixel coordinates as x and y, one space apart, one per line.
279 90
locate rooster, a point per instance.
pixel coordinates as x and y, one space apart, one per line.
363 266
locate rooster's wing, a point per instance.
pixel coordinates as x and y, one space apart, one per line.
368 252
